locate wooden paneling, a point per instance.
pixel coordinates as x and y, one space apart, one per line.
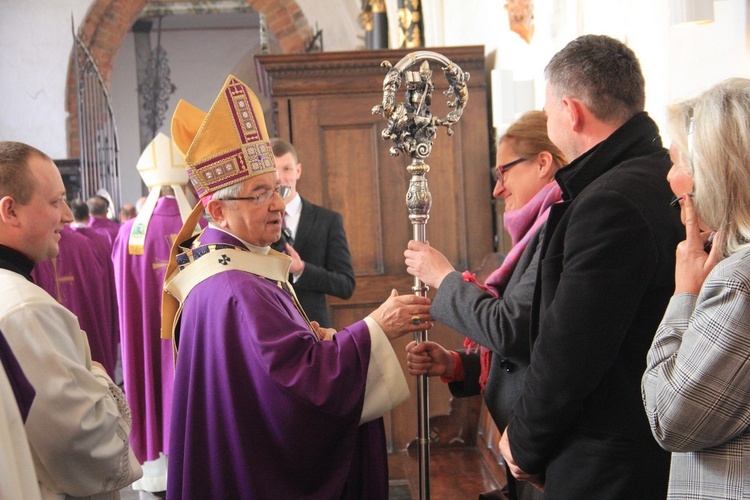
323 103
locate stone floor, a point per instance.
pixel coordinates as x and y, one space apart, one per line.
399 490
130 494
456 473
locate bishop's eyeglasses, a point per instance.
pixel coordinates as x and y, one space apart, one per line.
264 197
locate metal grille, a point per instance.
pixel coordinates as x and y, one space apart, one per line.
99 149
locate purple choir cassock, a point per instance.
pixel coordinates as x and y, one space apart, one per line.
80 279
147 360
261 408
105 227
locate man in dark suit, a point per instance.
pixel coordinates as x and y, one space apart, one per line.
314 238
606 276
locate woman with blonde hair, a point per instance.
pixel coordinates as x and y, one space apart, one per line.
696 388
494 316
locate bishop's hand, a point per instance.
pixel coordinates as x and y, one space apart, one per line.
402 314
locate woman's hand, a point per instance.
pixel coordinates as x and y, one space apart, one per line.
426 263
429 358
693 263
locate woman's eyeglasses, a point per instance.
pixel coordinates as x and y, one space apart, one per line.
499 171
676 200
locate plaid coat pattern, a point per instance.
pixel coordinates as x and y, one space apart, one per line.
696 388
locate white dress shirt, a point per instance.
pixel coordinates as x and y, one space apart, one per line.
292 214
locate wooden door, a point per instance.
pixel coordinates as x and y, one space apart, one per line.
322 103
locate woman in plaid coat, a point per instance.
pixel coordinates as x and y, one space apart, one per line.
696 388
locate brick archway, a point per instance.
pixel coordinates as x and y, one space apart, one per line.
107 22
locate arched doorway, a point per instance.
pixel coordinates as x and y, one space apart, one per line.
107 22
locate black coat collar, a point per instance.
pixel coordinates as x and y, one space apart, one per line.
637 137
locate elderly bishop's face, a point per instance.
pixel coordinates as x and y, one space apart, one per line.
257 223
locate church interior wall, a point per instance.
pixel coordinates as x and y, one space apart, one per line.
199 62
35 43
678 61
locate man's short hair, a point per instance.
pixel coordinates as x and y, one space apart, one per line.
601 72
15 178
98 206
128 211
80 210
281 147
231 191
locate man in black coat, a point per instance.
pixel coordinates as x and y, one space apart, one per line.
605 276
314 238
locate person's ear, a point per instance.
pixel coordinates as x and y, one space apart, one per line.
575 112
8 211
546 165
217 210
299 170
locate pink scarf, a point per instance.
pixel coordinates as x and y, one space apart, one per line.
521 224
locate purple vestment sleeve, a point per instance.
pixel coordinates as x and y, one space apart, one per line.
261 408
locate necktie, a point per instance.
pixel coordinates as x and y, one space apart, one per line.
286 233
286 236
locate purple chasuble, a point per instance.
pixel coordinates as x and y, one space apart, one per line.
82 279
261 408
147 360
105 227
101 243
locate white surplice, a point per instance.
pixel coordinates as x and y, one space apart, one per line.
16 466
79 422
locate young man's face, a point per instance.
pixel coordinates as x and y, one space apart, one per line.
47 212
289 172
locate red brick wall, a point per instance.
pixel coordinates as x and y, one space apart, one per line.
107 22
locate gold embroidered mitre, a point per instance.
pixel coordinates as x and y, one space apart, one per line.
160 164
227 145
